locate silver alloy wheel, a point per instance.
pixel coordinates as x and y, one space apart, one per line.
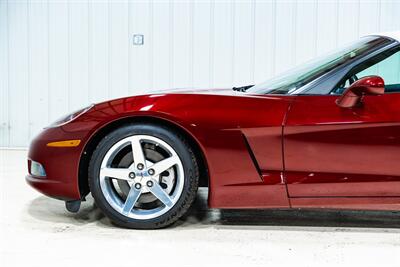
143 177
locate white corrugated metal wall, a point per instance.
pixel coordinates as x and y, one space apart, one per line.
56 56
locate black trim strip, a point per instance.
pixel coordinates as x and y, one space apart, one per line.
252 156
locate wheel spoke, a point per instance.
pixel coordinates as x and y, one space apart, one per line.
164 164
153 168
159 193
137 151
131 199
117 173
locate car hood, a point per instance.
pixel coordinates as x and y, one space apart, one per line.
207 91
157 94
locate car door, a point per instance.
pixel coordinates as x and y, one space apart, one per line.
331 151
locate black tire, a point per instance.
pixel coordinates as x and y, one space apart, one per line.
190 167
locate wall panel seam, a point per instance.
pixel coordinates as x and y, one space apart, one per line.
212 44
8 78
28 46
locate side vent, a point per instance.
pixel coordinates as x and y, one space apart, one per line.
253 158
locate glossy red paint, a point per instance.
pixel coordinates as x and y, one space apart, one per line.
259 149
370 85
222 122
338 152
61 164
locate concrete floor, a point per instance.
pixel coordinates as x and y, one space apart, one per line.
37 231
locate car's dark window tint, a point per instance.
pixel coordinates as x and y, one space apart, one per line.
385 65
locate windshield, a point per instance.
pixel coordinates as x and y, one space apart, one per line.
288 82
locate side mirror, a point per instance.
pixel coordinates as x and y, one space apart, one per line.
352 97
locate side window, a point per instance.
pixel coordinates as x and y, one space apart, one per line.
385 65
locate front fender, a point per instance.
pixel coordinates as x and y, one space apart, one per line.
219 125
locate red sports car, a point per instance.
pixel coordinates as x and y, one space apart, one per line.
323 135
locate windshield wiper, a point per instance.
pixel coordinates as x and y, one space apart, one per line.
242 88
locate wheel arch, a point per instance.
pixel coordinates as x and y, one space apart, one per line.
105 129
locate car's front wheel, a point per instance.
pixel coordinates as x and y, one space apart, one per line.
143 176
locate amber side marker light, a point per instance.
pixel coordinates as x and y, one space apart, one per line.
66 143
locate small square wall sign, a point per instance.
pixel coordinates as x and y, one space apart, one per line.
138 39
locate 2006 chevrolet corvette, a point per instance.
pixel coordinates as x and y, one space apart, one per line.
323 135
